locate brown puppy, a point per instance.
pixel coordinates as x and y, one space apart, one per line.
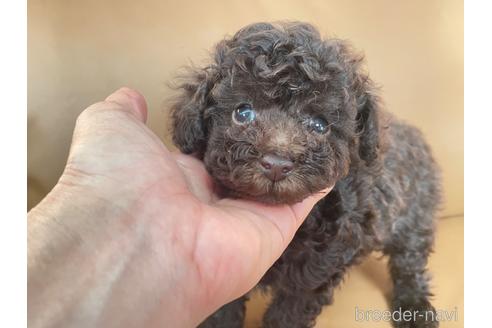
281 113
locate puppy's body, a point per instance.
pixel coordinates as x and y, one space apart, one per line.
391 212
310 105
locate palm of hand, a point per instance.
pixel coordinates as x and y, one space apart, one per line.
224 246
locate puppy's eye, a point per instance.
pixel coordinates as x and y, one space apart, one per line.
318 125
244 114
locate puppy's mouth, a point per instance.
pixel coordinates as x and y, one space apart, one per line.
268 179
263 185
270 197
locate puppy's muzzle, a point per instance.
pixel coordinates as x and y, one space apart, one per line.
276 168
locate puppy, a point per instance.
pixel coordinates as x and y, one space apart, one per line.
280 114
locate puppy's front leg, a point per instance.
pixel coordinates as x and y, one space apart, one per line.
296 310
230 315
409 249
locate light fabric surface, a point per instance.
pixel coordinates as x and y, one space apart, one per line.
80 51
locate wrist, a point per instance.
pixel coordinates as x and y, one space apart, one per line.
126 257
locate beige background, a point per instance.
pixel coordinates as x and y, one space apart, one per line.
80 51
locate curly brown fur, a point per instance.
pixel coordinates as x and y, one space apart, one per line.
386 183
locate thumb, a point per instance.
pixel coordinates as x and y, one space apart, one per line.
130 101
123 100
107 127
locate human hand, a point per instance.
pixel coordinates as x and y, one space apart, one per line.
134 235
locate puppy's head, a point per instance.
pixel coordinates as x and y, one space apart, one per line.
279 114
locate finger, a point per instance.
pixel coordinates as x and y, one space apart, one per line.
131 101
198 180
300 212
284 219
302 209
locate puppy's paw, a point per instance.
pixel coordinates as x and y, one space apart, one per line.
414 314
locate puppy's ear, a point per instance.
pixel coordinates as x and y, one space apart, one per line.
368 124
364 94
187 123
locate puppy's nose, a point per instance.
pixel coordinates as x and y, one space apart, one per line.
275 167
